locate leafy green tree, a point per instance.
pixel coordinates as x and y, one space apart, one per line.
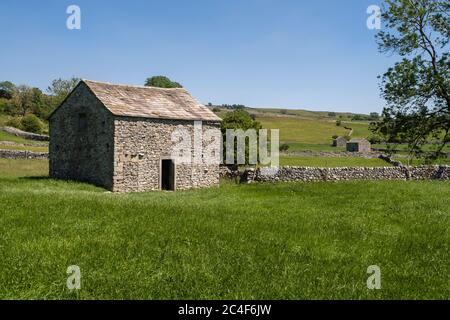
22 100
62 87
416 89
7 89
162 82
374 116
239 119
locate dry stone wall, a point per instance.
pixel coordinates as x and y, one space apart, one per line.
22 154
26 135
309 174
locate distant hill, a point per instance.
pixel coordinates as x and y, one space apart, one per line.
304 129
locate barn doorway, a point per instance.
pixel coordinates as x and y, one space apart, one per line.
167 175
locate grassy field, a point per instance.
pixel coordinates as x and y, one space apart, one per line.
261 241
22 168
303 130
311 134
331 162
4 136
298 146
28 148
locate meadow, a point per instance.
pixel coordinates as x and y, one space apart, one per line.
258 241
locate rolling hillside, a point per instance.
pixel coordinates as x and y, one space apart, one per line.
307 130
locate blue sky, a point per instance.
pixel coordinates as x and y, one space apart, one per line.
316 55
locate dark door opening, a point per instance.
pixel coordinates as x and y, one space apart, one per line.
167 175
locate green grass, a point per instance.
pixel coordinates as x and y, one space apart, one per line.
360 129
331 162
28 148
10 168
307 131
260 241
4 136
298 146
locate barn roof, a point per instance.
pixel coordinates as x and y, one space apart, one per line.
150 102
358 140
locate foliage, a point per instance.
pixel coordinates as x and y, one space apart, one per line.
60 89
4 105
7 89
338 123
15 122
162 82
239 119
416 89
284 147
233 106
31 123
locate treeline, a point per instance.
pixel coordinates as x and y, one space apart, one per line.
29 107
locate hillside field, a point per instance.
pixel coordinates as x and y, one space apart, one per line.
260 241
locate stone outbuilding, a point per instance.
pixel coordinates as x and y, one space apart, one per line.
120 137
359 145
340 142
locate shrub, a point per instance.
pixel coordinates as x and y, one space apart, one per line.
284 147
31 123
338 123
216 109
14 122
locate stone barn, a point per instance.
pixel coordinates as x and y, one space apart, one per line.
359 145
339 142
120 137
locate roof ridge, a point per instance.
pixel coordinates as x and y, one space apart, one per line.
130 85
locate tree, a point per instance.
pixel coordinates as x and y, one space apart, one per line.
59 90
162 82
62 87
239 119
416 89
6 89
22 101
374 116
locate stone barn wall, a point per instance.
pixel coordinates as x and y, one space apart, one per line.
339 142
141 144
82 149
